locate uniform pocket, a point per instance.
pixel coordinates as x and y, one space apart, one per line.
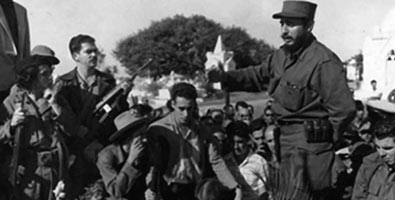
374 189
290 95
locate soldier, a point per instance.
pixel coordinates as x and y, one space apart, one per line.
312 102
38 119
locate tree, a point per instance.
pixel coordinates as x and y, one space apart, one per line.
180 43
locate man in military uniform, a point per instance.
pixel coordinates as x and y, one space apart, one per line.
312 102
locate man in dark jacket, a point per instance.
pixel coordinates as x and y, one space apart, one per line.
312 102
83 88
376 174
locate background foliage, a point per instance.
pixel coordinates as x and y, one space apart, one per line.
180 44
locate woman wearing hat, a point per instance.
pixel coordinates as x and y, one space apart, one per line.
34 125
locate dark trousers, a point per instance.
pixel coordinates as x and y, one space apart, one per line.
305 167
176 191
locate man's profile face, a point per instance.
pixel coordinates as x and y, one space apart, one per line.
258 137
293 32
269 137
386 149
183 109
44 76
87 56
268 116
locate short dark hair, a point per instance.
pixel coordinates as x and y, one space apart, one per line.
241 104
359 105
184 90
384 128
257 124
211 111
238 128
76 41
228 106
267 108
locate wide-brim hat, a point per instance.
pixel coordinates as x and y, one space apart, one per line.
297 9
128 125
46 53
31 61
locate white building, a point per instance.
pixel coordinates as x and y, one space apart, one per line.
379 57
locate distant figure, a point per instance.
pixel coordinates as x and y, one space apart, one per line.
14 42
243 112
375 93
268 115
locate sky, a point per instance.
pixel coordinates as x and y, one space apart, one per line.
341 25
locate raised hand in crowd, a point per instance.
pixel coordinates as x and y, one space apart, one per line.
18 116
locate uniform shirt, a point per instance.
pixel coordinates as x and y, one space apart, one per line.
375 180
180 150
307 84
385 178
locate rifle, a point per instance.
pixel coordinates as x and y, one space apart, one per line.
110 100
15 154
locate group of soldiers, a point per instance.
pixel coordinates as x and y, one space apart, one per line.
55 143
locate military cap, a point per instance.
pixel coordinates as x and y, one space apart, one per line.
41 55
297 9
46 53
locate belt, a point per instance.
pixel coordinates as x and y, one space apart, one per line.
287 123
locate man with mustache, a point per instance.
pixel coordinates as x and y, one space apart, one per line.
312 102
83 88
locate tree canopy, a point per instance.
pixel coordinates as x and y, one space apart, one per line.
180 43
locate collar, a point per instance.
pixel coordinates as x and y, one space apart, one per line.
91 81
246 160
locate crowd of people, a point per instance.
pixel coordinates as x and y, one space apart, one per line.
69 139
